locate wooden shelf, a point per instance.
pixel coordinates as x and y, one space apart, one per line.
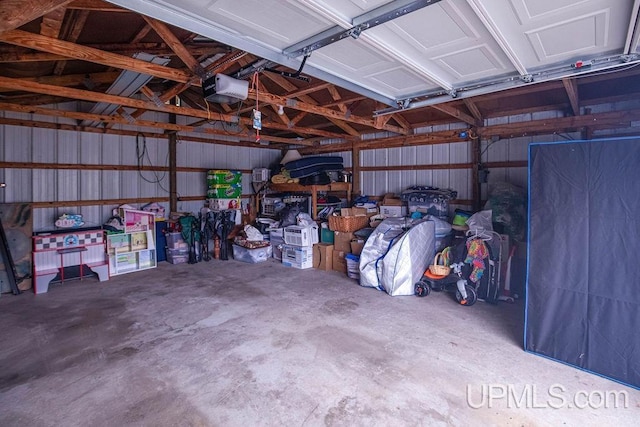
314 190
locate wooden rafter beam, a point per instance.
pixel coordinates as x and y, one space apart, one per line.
382 120
176 45
10 53
95 5
17 84
101 131
139 123
456 113
15 13
519 91
297 93
141 34
571 87
282 117
402 121
336 97
107 77
75 51
52 23
28 56
301 115
290 88
77 22
345 101
473 108
615 119
35 99
442 137
179 88
344 126
322 111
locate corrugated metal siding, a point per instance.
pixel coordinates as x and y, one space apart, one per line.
377 183
516 149
23 144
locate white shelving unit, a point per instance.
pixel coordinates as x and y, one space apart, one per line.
133 250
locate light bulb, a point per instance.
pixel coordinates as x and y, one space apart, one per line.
280 110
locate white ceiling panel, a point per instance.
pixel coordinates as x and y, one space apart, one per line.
587 33
399 80
344 10
261 20
361 63
473 63
423 47
546 32
439 26
539 8
446 43
350 56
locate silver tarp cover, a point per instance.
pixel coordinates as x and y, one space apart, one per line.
393 259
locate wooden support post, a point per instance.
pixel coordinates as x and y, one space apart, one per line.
355 172
173 160
9 265
475 174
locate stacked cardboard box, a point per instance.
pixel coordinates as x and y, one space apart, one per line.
323 256
224 187
341 247
393 206
298 249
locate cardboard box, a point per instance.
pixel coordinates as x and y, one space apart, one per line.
393 211
301 236
372 211
276 238
356 246
390 199
224 191
297 256
339 261
323 256
353 211
342 241
223 176
223 204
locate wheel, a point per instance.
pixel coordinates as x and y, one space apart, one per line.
472 296
421 289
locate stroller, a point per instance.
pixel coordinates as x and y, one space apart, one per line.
475 270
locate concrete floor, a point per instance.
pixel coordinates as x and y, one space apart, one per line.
233 344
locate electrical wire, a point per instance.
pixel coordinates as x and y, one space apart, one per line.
255 83
141 153
487 147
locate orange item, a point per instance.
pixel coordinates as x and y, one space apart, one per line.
430 275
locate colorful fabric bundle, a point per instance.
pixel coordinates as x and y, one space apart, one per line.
476 253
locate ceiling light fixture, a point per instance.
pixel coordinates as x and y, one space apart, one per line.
280 110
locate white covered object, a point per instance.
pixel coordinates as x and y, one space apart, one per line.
393 258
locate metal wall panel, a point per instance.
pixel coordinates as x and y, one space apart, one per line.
90 148
379 182
21 144
18 144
